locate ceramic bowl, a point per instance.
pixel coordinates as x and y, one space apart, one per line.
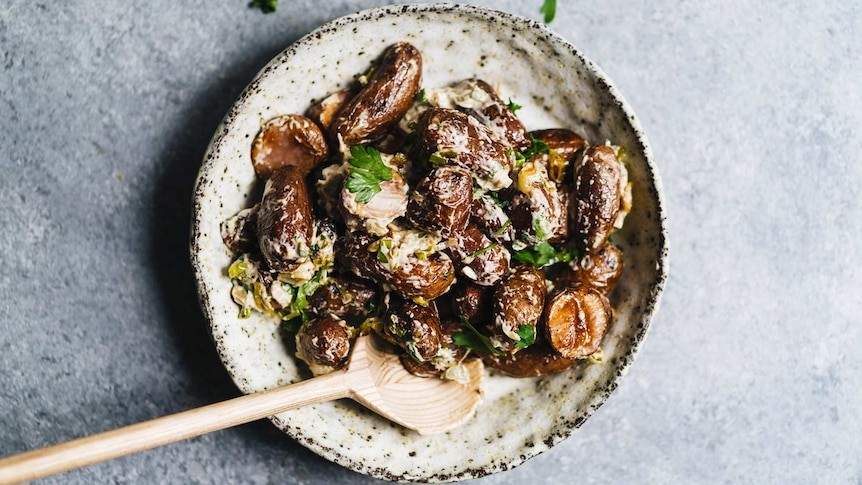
558 87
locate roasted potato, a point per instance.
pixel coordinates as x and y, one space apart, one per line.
387 205
537 210
597 196
344 296
575 321
477 257
323 343
474 303
412 277
563 146
450 137
449 355
440 203
489 215
288 140
413 327
324 111
600 269
534 361
239 233
518 301
485 105
285 224
384 100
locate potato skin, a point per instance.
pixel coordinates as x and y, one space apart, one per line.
426 279
413 327
288 140
384 100
534 361
496 115
518 300
474 303
596 196
344 296
323 341
239 233
575 321
324 111
480 259
466 143
538 199
565 142
600 269
490 216
285 222
440 203
448 328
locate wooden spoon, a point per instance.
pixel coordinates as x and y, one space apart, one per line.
372 377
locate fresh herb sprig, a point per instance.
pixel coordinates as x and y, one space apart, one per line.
295 315
549 8
474 339
265 6
367 173
513 106
544 254
528 336
537 147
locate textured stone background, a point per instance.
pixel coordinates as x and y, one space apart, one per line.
752 370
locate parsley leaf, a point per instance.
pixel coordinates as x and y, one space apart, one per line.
265 6
528 336
474 339
544 254
549 8
537 147
367 173
513 105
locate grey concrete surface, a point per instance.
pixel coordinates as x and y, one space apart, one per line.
752 370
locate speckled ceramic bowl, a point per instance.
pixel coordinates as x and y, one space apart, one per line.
558 87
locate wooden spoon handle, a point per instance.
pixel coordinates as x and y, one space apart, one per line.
169 429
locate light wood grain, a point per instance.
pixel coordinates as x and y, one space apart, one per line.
373 377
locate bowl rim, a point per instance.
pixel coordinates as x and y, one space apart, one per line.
656 287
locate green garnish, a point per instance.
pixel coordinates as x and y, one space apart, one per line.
544 254
296 310
237 269
538 146
474 339
367 173
513 105
495 196
549 8
476 253
528 336
421 96
383 248
500 231
265 6
438 159
540 227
